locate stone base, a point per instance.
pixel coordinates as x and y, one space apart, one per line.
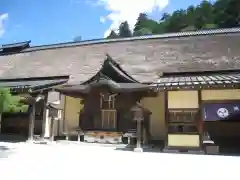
103 137
39 141
166 150
138 150
30 141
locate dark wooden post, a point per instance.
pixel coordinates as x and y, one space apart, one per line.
31 122
138 116
52 128
45 116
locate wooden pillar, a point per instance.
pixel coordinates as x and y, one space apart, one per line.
201 122
52 128
166 117
47 128
31 122
139 134
44 118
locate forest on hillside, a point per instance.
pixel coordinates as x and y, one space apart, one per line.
206 15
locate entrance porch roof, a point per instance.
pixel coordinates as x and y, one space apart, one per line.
29 85
199 80
116 87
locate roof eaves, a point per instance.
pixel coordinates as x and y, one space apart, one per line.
63 77
18 44
196 73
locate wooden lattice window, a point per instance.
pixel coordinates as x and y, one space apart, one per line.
108 118
108 111
183 121
107 101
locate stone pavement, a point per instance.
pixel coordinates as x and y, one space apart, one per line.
91 161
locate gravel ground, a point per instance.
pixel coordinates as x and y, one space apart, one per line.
66 160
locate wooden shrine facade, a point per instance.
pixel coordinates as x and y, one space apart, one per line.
107 99
173 105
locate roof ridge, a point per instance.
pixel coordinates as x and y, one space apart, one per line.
146 37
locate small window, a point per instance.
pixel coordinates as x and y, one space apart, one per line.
182 115
182 121
182 128
107 101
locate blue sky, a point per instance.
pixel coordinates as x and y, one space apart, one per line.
54 21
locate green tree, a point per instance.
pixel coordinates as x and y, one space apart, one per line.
191 16
203 14
142 32
141 22
176 22
4 100
144 25
227 13
165 16
124 30
112 35
206 15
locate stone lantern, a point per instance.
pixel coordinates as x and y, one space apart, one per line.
53 111
55 115
139 117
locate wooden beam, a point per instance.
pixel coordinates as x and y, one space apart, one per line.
200 123
166 117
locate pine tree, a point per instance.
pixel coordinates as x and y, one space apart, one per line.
112 35
124 30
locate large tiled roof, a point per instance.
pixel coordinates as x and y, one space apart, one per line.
144 58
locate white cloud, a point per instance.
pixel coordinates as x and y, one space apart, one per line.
128 10
3 18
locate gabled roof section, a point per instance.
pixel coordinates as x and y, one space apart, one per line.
24 44
111 70
14 47
118 68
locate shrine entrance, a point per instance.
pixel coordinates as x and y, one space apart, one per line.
108 99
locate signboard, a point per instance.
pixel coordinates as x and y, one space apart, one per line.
220 111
